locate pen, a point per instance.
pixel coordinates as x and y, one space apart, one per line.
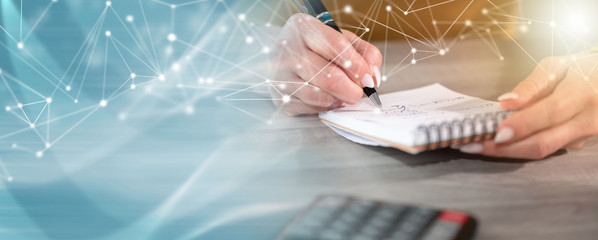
316 8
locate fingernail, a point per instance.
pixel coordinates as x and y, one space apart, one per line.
472 148
504 135
368 81
508 96
377 75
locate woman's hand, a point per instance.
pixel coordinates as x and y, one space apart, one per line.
558 109
316 68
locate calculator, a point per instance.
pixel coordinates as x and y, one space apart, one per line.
336 217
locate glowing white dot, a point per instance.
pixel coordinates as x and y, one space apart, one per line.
133 75
19 105
14 145
502 58
551 77
249 39
20 45
484 11
161 77
388 8
171 37
468 23
367 29
286 99
305 83
348 9
413 61
68 88
172 6
347 64
494 22
316 89
201 80
48 100
282 86
442 52
176 67
434 22
299 66
384 78
405 12
108 3
329 75
48 145
242 17
413 50
9 179
133 86
7 108
377 111
179 85
210 81
108 33
268 80
76 100
283 42
130 18
32 125
266 50
39 154
103 103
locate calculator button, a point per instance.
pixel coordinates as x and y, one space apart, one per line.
413 224
447 227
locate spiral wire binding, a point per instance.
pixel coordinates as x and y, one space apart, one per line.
482 126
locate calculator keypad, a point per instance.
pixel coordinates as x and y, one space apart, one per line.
346 218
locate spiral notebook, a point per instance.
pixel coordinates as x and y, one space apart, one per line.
417 120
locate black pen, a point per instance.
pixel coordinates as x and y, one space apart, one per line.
316 8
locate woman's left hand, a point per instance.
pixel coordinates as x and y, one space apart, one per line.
557 109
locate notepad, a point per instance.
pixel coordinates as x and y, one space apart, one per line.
417 120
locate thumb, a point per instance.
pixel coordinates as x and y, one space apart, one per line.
539 84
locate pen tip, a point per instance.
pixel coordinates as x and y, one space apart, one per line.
374 97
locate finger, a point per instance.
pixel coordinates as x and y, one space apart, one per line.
335 47
538 85
576 145
537 146
370 53
296 107
553 110
307 93
319 72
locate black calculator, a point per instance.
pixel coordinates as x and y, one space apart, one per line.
335 217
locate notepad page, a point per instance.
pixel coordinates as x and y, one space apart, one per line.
403 112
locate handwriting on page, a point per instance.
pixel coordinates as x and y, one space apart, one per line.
401 111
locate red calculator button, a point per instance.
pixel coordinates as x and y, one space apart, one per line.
455 217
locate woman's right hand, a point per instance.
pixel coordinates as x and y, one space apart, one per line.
315 68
